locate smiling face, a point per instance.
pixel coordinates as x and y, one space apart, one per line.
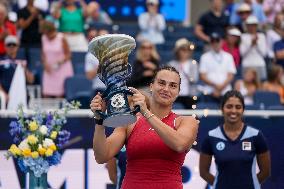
165 87
233 110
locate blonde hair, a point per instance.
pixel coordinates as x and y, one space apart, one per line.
154 53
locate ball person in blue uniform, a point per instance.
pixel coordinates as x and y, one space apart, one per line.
237 148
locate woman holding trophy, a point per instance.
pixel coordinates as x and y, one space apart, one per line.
157 143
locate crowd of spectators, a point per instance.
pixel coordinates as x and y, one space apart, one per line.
242 46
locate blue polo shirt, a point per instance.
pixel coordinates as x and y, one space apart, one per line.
235 160
278 46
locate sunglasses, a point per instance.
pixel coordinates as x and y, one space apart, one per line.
146 47
11 45
215 40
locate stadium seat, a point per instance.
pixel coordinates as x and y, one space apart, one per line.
266 99
78 88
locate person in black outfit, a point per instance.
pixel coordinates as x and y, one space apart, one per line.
144 67
213 21
29 19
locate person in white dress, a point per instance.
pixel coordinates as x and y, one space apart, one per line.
188 69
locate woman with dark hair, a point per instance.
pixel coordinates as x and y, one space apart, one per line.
156 144
236 148
144 67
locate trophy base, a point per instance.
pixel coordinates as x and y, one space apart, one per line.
119 120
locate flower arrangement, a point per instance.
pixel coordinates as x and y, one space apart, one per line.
38 139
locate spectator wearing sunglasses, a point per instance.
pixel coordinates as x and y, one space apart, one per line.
217 70
10 82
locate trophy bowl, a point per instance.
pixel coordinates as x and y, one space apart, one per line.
112 51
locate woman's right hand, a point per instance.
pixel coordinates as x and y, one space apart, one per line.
98 104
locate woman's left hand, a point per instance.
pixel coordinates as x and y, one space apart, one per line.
139 99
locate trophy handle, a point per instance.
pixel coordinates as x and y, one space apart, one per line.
137 107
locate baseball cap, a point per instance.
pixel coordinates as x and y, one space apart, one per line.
215 36
251 20
11 39
183 42
234 32
244 7
156 2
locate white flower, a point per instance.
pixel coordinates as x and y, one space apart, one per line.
24 145
47 142
43 130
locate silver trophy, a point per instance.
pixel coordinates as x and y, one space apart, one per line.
112 51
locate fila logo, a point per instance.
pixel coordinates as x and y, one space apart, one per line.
246 146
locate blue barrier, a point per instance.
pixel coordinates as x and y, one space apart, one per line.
82 128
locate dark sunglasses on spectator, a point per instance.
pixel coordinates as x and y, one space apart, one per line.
215 40
150 4
146 47
11 45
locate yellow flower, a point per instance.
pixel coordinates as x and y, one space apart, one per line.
32 139
53 147
49 152
27 152
41 150
33 126
35 154
15 150
53 135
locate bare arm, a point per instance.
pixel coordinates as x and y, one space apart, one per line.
200 34
84 7
91 74
263 161
179 140
112 172
204 167
66 49
104 147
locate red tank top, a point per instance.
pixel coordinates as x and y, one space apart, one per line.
151 164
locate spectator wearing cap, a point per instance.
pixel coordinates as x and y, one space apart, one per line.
10 82
231 45
243 11
6 28
151 24
188 69
256 9
217 70
253 48
56 60
212 21
272 8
